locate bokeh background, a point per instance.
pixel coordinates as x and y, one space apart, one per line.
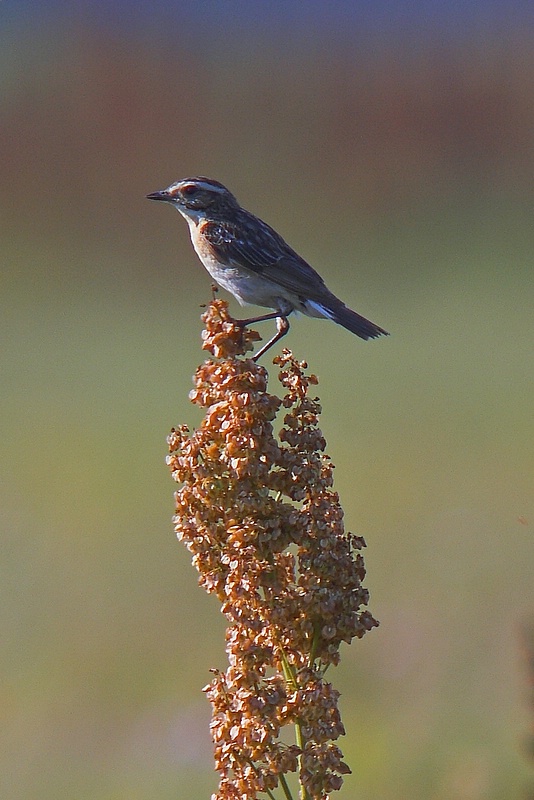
392 145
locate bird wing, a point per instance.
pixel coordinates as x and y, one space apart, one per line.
252 244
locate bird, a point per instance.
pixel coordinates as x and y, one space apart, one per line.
249 259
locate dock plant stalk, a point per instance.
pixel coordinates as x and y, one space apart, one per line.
257 510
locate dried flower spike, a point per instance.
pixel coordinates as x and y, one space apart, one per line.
265 528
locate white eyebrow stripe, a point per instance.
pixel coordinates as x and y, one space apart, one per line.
209 186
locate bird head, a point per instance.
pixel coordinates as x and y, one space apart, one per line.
194 196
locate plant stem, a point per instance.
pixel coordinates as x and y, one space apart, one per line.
314 645
285 787
291 679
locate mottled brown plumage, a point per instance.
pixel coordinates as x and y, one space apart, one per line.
252 261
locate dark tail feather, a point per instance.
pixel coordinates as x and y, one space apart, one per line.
355 323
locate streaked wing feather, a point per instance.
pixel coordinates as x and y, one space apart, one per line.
264 252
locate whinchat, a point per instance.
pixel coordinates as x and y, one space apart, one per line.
251 260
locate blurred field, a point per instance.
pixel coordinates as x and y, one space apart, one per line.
401 167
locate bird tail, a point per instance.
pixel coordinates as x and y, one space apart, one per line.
357 324
353 322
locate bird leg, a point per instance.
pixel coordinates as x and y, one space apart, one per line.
243 323
282 327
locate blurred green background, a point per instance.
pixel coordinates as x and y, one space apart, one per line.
394 149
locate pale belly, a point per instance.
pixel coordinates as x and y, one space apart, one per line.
247 287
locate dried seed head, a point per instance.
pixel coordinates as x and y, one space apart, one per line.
265 529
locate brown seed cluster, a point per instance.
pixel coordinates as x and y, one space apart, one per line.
265 529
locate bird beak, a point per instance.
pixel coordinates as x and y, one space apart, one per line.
163 195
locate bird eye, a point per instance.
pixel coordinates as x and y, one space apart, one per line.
189 190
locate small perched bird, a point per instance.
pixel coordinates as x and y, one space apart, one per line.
251 260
